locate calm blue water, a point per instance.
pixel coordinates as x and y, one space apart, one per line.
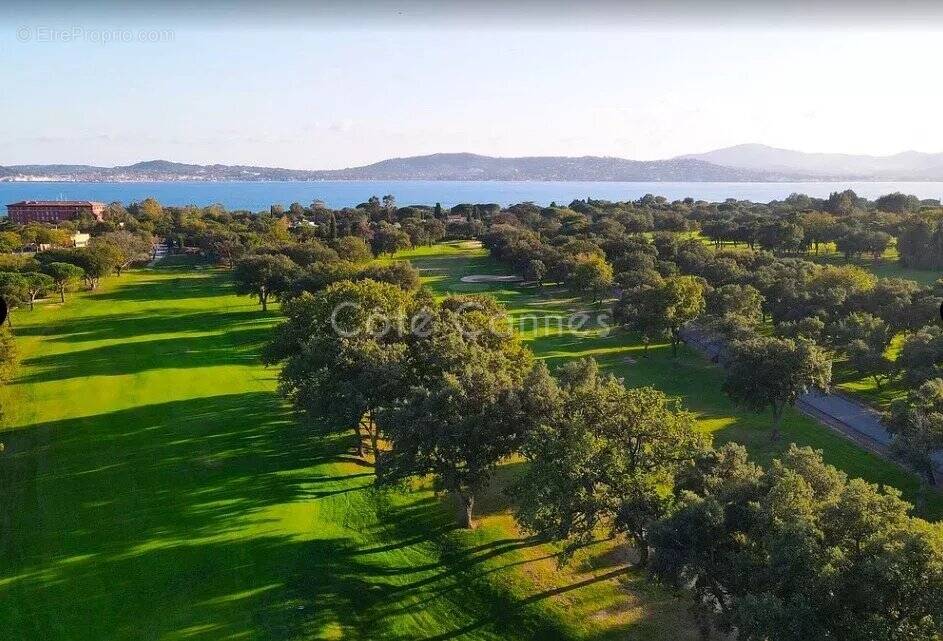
257 196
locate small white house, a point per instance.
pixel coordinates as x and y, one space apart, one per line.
80 239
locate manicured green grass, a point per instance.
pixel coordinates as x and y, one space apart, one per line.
690 376
153 486
850 380
885 267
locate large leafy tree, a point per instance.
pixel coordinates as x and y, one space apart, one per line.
400 273
37 284
921 356
123 247
14 290
460 413
96 263
799 552
664 308
917 424
264 276
898 203
592 275
10 241
843 202
865 327
819 227
353 249
702 544
742 301
63 275
388 239
342 352
767 373
601 456
224 245
903 304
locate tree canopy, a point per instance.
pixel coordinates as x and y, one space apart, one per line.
343 354
461 411
264 276
601 456
771 373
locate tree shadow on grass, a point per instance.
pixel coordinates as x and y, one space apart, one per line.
169 516
175 470
121 326
172 285
234 347
220 517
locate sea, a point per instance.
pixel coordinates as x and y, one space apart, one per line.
259 196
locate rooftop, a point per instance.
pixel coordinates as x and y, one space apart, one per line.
41 203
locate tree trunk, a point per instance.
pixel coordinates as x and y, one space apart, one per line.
705 631
62 294
32 300
358 431
466 509
931 475
641 546
263 298
375 447
777 421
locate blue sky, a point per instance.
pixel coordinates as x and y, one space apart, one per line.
325 97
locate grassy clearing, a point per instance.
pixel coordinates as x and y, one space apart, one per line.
849 380
153 486
887 266
690 376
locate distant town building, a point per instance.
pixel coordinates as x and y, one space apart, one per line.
80 240
53 211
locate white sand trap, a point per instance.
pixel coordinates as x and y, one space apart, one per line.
485 278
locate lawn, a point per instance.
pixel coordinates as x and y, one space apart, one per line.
153 486
690 376
887 266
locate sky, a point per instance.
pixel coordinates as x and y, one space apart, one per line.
89 86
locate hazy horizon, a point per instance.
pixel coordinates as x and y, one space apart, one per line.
473 153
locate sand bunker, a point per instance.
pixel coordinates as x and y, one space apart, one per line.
485 278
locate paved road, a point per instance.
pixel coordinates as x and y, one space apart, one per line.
853 418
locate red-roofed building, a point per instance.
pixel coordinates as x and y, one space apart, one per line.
53 211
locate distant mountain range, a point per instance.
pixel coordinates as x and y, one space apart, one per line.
743 163
908 165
